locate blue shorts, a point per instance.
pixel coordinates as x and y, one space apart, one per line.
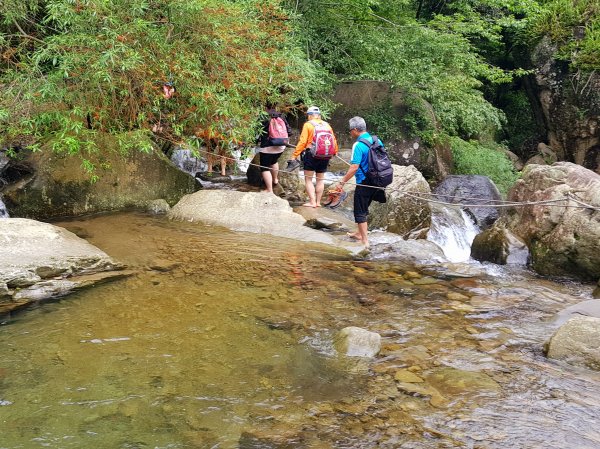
316 165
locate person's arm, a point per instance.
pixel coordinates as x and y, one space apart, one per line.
355 161
349 174
304 140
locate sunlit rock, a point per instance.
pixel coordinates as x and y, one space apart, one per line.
357 342
255 212
589 308
577 342
562 240
403 214
39 261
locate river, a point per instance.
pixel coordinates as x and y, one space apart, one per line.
225 340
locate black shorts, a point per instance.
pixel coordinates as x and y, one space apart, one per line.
316 165
363 197
268 159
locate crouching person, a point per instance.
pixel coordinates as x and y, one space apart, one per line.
373 171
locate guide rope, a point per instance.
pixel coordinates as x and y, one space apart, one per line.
432 197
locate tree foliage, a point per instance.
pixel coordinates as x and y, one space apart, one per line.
72 68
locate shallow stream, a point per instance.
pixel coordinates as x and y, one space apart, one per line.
225 340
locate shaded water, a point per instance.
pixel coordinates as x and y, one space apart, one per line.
224 340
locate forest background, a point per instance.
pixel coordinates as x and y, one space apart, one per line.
71 70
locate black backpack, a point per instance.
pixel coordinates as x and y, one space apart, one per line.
380 172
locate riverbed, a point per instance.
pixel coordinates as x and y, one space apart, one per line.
225 340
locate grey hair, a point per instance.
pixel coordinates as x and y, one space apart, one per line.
358 123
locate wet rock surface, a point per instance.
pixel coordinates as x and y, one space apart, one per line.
500 246
469 189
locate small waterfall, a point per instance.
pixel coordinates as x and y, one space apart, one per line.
185 160
453 230
242 163
3 211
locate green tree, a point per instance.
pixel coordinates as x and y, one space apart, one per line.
74 68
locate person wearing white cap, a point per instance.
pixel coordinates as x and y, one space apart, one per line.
318 138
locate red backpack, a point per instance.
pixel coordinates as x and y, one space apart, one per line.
323 144
278 134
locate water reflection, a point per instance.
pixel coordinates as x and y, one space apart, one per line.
225 340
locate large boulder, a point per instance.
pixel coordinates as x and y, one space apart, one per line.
471 189
261 213
577 342
403 214
562 240
500 246
39 261
60 186
568 105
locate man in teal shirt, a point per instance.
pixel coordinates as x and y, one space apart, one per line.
364 194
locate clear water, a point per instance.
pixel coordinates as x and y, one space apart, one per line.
224 340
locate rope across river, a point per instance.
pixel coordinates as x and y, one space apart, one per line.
432 197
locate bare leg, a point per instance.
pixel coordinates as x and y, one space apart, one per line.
363 230
210 159
275 173
310 188
223 165
361 234
268 179
319 189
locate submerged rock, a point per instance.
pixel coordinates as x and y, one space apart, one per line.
577 342
357 342
158 207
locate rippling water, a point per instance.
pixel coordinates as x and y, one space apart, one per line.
224 340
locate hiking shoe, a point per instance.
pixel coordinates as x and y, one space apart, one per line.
292 165
338 200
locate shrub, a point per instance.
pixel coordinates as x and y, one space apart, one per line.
473 158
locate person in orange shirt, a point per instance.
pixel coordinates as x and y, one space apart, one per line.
319 145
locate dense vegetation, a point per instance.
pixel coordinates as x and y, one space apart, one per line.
72 68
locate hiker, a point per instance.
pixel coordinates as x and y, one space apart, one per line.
363 195
319 145
273 139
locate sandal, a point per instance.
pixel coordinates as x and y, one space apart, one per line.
338 200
